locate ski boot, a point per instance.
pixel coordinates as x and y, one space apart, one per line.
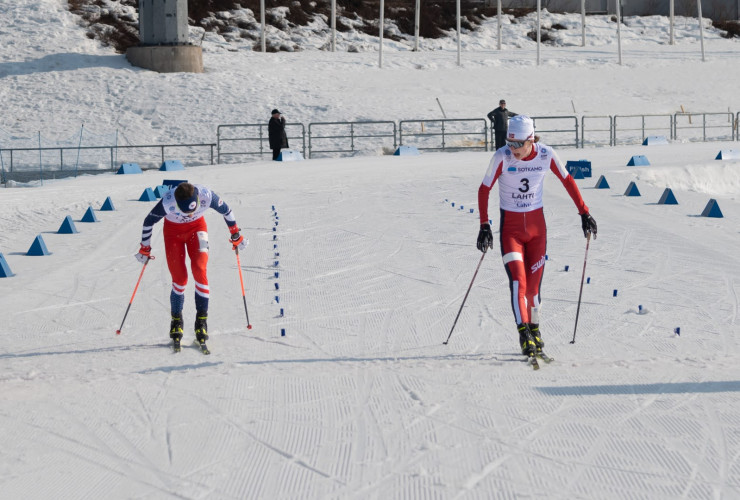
201 327
534 329
201 331
529 348
176 331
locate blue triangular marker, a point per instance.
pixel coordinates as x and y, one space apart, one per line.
148 195
577 173
601 183
89 216
68 226
632 190
172 165
129 168
38 247
160 191
288 155
668 198
652 140
406 151
728 154
5 271
712 210
107 204
638 161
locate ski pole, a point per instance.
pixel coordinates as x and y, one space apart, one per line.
465 298
118 332
241 280
578 309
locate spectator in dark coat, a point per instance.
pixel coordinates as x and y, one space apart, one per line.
276 132
500 120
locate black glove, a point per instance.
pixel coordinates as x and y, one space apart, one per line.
588 224
485 238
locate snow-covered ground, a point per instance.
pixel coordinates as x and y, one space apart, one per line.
360 399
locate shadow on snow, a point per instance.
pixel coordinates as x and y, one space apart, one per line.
659 388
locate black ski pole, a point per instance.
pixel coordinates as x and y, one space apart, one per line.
465 298
143 268
578 309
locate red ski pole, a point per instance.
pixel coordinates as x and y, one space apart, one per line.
118 332
241 281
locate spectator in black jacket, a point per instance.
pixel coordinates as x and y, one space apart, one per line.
276 133
500 119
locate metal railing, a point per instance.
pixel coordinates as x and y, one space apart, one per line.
340 132
706 125
231 142
445 134
343 137
42 161
645 124
563 129
609 131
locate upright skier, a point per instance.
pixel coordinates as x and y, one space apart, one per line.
520 168
185 230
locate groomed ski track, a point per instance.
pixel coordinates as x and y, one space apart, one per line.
360 399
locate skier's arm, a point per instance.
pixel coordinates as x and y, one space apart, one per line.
491 116
484 191
570 184
156 214
221 207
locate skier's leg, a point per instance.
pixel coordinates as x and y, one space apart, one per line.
175 252
512 253
198 251
535 250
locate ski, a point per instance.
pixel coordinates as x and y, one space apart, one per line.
544 357
176 345
532 360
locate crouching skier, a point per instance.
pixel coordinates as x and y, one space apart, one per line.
185 230
520 169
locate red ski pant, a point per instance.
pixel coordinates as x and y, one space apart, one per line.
523 238
190 237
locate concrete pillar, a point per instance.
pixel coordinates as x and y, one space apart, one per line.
163 37
167 58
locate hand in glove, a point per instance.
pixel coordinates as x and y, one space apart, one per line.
485 238
239 241
144 254
588 224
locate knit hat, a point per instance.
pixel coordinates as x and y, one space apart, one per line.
521 128
275 111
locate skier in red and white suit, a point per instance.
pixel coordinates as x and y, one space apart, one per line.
520 168
185 231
